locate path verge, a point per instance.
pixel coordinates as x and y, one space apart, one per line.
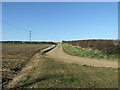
58 54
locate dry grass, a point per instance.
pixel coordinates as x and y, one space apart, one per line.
78 51
49 73
108 47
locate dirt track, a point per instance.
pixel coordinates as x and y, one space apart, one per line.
58 54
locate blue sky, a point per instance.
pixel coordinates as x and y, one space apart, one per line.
60 21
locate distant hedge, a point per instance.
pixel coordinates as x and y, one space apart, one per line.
109 47
25 42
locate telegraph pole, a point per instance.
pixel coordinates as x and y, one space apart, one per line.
30 35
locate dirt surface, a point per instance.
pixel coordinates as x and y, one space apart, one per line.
50 67
23 74
15 57
58 54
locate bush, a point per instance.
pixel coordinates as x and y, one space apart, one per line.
108 47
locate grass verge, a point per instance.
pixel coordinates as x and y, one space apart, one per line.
78 51
49 73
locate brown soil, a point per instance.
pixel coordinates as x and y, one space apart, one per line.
15 57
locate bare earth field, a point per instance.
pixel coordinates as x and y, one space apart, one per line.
15 57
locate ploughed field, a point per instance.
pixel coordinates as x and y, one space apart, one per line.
15 57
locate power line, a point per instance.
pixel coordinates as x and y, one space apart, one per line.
21 28
30 35
15 26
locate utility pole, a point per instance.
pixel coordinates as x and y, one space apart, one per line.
30 35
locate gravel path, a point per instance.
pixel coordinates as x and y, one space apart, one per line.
58 54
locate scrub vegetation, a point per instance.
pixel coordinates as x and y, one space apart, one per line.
82 52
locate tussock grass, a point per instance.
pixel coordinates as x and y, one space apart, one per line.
78 51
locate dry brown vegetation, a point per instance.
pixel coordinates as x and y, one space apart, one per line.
15 57
108 47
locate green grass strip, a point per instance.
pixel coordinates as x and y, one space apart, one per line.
78 51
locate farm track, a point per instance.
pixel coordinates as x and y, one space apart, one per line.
58 54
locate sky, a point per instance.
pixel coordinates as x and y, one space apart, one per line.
57 21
